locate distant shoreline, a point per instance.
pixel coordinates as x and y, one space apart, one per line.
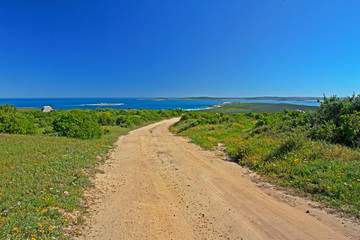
136 103
296 99
104 104
244 107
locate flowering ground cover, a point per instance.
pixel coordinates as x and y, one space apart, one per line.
42 179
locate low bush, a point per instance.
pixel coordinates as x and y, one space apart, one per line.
16 123
77 124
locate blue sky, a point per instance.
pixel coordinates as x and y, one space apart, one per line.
179 48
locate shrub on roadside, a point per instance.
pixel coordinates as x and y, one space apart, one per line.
105 118
77 123
337 121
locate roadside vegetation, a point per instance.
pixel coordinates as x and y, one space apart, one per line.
312 152
46 160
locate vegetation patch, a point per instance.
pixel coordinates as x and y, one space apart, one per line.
312 152
77 124
258 108
43 174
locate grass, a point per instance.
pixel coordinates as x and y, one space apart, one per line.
42 180
26 109
257 108
329 173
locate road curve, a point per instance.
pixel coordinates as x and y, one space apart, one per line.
158 186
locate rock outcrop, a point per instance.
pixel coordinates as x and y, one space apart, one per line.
46 109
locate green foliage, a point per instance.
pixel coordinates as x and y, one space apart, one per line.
240 153
77 124
7 108
349 131
265 119
337 121
15 123
105 118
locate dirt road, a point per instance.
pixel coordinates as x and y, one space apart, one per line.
159 186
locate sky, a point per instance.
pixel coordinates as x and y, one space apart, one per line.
179 48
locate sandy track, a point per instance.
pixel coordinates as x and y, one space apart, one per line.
159 186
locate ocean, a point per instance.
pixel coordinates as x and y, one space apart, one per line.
133 103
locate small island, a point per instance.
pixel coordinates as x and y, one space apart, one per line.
104 104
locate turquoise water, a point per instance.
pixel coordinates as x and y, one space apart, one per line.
134 103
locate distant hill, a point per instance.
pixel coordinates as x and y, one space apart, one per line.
257 107
160 99
283 98
265 98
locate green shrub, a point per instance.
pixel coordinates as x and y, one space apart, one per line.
135 119
77 124
106 130
338 121
7 108
266 119
240 153
325 131
17 123
48 130
349 131
105 118
188 124
123 121
290 144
